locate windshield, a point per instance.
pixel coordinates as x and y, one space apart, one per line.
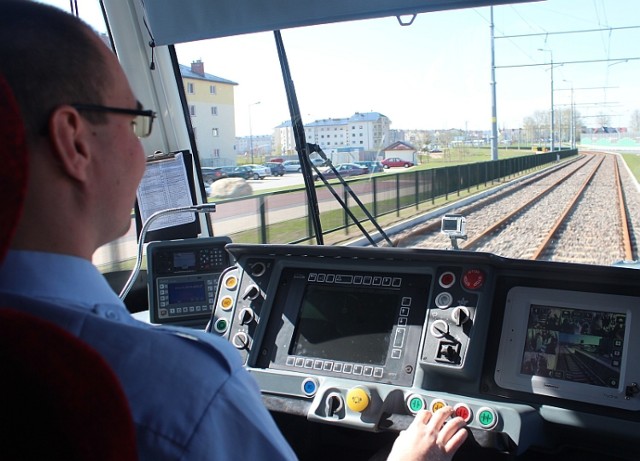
422 97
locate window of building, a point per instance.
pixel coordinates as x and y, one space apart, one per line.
214 110
212 89
216 153
190 88
214 132
192 110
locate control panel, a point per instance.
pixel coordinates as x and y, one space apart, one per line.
183 279
365 338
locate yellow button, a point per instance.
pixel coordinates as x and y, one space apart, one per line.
226 303
437 404
231 282
357 399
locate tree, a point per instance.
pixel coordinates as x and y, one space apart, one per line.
634 123
603 119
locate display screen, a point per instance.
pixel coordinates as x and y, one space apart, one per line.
184 260
450 224
186 292
345 324
576 345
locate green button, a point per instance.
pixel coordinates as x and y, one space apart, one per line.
221 325
416 404
486 418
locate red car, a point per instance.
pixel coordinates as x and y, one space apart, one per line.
395 161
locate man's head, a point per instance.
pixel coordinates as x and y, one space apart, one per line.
85 164
46 57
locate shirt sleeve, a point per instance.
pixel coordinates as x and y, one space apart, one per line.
236 425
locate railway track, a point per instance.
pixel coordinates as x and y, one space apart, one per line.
577 212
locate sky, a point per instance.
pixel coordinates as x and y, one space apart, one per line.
436 73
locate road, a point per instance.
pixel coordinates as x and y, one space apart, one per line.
126 247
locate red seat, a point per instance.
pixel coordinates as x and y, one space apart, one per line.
13 173
59 399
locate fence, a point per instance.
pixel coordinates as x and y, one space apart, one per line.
283 216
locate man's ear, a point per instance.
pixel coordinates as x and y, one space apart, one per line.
69 135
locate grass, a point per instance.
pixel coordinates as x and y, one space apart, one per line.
633 161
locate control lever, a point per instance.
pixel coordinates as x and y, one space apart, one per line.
334 405
251 292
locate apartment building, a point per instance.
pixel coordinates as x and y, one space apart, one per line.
343 139
211 106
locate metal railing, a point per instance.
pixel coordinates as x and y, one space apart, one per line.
283 217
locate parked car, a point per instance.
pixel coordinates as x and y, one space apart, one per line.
373 165
292 166
212 174
277 169
395 162
259 171
238 171
318 162
345 170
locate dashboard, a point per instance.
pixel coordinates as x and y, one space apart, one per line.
531 354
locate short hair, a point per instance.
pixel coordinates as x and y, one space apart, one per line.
49 60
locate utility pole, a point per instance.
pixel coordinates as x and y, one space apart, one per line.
250 131
494 115
552 111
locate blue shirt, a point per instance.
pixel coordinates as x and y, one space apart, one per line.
190 397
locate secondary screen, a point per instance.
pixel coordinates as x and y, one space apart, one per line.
345 324
574 345
186 292
184 260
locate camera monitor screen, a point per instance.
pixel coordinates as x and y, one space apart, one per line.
574 345
570 345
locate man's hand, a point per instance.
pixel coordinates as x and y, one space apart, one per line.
430 437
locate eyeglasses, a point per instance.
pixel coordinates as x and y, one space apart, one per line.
141 124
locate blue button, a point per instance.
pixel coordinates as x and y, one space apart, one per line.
309 386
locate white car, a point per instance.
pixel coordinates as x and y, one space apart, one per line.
259 171
292 166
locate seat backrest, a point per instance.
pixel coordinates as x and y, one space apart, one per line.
13 173
59 399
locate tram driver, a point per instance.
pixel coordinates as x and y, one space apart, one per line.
190 396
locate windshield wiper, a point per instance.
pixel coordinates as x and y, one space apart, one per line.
300 139
316 148
304 150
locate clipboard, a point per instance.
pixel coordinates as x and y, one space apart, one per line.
168 182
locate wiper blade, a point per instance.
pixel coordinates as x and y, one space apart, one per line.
316 148
304 149
299 137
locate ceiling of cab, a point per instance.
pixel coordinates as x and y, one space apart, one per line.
173 21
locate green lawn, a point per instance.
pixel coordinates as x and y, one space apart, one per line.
633 161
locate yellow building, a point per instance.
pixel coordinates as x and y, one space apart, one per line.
211 106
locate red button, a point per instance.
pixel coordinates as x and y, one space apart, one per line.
473 279
447 279
463 411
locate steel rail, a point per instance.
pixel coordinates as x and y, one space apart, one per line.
500 223
624 218
570 206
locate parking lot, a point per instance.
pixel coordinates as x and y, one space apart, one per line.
289 179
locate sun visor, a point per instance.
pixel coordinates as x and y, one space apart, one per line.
174 21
